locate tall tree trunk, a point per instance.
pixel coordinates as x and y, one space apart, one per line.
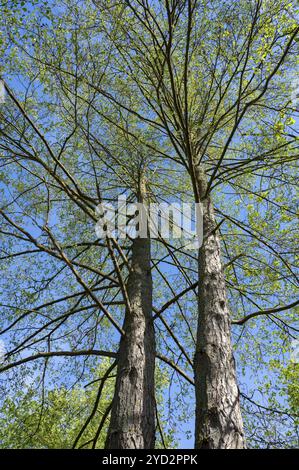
218 417
132 424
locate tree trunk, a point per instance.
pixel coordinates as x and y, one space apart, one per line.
132 424
218 417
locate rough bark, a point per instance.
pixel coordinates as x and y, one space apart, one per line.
132 424
218 417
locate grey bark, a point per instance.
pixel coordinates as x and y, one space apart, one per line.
132 424
218 417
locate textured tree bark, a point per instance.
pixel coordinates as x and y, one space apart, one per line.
132 424
218 417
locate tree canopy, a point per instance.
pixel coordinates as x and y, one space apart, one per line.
98 95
